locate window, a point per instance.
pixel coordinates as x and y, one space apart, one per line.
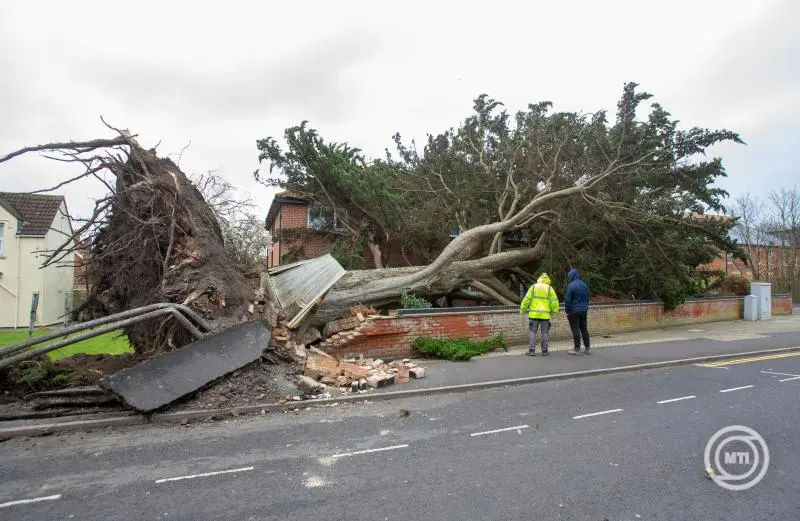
2 239
320 218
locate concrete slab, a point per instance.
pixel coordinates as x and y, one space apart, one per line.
163 380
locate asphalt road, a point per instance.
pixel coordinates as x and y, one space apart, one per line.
545 451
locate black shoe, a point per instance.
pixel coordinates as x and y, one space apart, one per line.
574 352
531 353
545 353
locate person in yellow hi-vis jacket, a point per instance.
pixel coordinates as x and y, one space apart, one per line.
541 302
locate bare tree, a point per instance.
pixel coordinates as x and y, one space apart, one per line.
784 225
751 229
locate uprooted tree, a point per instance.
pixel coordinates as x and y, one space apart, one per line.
154 239
539 190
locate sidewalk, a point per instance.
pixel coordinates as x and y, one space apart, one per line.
717 338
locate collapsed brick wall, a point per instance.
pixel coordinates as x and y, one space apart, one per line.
393 336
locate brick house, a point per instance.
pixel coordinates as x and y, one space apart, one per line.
315 230
290 212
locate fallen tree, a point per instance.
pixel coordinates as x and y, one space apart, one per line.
154 239
537 191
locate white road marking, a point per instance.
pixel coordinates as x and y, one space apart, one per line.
368 451
711 366
677 399
518 427
27 501
790 379
204 474
737 388
781 374
595 414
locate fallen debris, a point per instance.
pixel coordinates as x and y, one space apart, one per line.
356 375
165 379
309 386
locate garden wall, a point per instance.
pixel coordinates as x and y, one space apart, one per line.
393 336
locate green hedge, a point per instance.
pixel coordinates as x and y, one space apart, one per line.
459 348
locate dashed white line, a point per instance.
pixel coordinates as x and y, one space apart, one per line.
677 399
790 379
781 374
27 501
595 414
368 451
517 428
204 474
737 388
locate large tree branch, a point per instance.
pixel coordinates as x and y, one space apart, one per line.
78 147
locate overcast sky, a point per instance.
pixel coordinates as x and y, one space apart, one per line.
220 75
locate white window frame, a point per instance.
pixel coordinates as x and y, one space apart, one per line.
310 227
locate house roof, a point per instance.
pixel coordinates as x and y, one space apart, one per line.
282 198
35 211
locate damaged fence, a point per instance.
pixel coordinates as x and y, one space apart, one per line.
185 316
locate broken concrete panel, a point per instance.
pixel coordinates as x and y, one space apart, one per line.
151 385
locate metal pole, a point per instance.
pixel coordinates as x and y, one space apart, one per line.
33 353
105 320
34 307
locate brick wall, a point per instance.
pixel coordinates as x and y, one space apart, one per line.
392 336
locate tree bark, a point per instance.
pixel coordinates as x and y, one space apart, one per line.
380 287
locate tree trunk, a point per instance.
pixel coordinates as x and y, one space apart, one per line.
380 287
377 258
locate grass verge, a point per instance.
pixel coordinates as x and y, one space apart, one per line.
114 343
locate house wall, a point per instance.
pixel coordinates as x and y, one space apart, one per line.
295 216
392 336
31 278
768 258
58 279
9 263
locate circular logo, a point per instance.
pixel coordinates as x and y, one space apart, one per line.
736 457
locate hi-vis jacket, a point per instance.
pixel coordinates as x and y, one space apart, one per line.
541 300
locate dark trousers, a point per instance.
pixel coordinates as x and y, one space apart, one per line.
578 323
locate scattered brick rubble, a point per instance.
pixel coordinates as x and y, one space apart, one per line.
324 372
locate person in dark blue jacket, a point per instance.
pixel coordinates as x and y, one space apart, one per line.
576 305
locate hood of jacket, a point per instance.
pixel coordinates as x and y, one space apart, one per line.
574 275
544 278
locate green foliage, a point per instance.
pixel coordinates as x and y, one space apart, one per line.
638 232
350 257
107 344
459 348
411 301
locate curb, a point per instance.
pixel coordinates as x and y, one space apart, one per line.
185 416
